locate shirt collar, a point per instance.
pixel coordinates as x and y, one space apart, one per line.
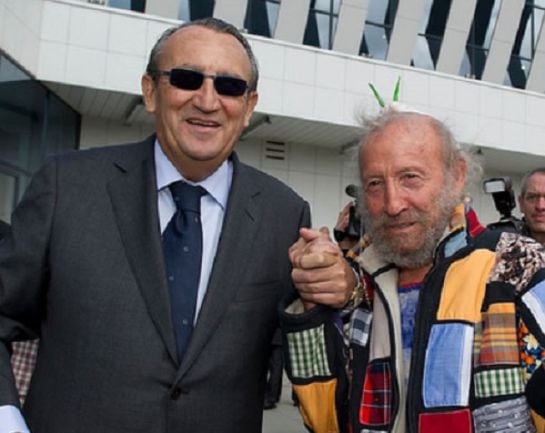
217 184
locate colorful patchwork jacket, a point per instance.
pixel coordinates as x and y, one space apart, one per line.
478 345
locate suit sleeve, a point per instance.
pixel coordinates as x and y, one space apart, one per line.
24 272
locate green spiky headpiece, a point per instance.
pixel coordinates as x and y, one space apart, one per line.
380 99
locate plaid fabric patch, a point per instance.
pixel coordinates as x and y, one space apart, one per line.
519 259
504 381
376 402
499 336
23 361
360 325
308 355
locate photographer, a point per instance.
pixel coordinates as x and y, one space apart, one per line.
348 229
532 204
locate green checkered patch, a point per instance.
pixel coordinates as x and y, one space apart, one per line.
504 381
307 353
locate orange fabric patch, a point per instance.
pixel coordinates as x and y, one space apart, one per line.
499 336
464 287
317 406
539 422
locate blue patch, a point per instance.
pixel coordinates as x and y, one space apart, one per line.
447 370
535 301
457 242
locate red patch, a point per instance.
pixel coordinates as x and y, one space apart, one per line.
376 402
446 422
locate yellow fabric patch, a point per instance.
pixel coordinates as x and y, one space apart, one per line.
538 421
317 406
464 287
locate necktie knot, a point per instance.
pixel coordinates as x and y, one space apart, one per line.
187 198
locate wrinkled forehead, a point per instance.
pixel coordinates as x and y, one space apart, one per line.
536 182
404 137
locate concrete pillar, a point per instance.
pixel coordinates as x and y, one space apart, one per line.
405 31
455 38
163 8
350 26
502 41
292 20
232 11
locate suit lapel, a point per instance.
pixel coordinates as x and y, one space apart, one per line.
238 233
134 199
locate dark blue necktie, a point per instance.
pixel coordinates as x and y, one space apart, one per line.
182 246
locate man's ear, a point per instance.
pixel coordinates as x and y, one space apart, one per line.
520 201
460 173
252 101
149 92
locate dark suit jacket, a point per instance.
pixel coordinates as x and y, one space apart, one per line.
85 271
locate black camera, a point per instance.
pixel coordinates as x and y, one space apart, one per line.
354 229
501 190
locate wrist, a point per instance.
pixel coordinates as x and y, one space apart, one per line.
357 295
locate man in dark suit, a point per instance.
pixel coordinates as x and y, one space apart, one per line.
86 271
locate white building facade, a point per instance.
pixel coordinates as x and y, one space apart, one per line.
479 65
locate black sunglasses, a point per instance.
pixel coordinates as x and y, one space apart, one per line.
189 79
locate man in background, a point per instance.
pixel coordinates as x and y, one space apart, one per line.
152 271
532 203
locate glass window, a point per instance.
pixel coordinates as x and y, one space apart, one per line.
261 17
480 37
321 23
132 5
190 10
430 36
378 28
34 123
524 47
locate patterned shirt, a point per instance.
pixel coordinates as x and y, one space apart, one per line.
408 300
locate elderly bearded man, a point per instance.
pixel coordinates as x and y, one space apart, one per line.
436 329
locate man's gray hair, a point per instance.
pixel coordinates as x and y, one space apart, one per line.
452 151
526 178
211 23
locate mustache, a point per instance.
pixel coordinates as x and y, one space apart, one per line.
408 216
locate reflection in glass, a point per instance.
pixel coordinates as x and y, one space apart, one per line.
321 23
132 5
378 28
480 36
524 47
261 17
432 30
189 10
34 123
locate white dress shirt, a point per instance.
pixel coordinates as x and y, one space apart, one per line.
213 206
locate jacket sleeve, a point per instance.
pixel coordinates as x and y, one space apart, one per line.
520 264
315 355
24 272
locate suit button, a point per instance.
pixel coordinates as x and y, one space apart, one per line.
175 393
